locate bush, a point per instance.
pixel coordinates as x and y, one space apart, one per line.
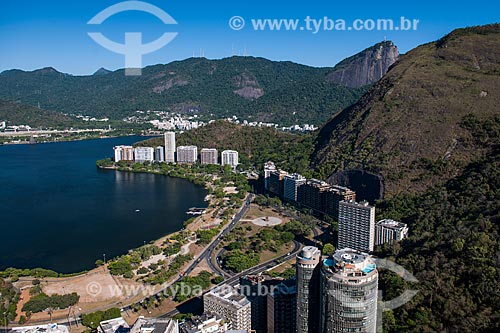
92 320
41 302
218 279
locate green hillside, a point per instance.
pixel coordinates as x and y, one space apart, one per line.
409 126
19 114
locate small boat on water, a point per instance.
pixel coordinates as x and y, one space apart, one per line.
196 211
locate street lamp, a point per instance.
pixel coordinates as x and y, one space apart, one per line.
104 256
6 322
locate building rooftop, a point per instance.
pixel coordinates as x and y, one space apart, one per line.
208 321
50 328
350 262
388 223
116 325
362 204
229 295
154 325
295 176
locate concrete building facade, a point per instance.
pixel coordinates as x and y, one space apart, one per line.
349 293
307 268
233 307
281 308
187 154
356 226
291 184
388 231
144 154
268 168
209 156
230 157
160 154
170 147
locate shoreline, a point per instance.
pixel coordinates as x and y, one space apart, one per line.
25 143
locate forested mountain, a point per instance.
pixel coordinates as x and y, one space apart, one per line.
431 128
252 88
19 114
410 126
453 248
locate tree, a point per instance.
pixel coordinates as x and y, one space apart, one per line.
328 249
218 279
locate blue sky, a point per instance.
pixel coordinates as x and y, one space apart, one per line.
43 33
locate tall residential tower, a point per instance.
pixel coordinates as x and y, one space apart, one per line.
356 226
307 289
349 291
170 147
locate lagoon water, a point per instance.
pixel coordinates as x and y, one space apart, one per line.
58 211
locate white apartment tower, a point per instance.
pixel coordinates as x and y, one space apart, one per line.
388 231
187 154
233 307
230 157
269 167
118 153
356 226
124 153
209 156
144 154
170 147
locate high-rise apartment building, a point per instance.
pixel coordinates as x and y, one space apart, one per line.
230 157
356 226
268 168
277 182
170 147
187 154
233 307
160 154
291 184
333 196
349 292
209 156
312 194
307 268
124 153
118 153
388 231
144 154
281 308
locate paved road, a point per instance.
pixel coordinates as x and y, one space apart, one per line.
208 251
234 280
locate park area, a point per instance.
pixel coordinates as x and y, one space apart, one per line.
262 234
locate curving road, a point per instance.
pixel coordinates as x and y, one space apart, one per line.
234 280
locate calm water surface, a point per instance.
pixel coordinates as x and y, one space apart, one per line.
58 211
